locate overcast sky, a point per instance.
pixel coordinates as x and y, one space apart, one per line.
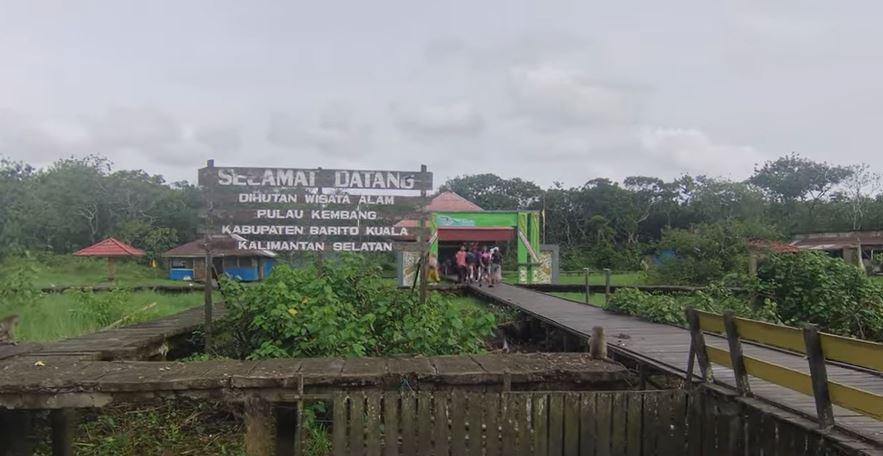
543 90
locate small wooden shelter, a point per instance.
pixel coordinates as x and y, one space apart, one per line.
110 248
187 261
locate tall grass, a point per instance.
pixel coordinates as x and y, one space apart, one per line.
61 315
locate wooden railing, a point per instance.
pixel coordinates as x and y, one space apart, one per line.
816 346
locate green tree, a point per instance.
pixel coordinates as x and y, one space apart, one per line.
493 192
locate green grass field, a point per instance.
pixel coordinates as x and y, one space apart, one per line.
70 271
61 315
596 299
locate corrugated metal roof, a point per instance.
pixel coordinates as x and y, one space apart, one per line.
109 247
222 245
838 241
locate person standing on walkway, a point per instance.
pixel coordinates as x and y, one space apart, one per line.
496 266
460 259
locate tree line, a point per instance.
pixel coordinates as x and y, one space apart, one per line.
604 223
601 223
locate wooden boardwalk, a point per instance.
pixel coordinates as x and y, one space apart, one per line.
139 341
668 347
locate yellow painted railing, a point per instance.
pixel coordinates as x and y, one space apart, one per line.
861 353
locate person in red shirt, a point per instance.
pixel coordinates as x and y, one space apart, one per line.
460 258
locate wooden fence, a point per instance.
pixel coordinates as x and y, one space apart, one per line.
590 423
518 423
818 347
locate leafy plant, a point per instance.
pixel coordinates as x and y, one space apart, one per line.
671 308
812 287
346 310
101 308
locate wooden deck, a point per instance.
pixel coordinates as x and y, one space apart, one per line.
668 347
138 341
45 382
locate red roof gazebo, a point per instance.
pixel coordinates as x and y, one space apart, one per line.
110 248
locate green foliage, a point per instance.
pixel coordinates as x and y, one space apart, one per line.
706 253
671 308
347 310
492 192
78 201
812 287
101 308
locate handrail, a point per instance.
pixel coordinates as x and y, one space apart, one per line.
816 346
858 352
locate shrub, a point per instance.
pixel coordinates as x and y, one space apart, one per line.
706 253
347 310
671 308
812 287
101 308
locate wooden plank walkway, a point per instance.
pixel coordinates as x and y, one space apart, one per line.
138 341
669 347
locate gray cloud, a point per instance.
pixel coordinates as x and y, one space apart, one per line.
558 94
333 131
458 119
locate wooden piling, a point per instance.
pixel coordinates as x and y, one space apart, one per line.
259 428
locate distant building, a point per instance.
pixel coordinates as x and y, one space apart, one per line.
187 261
856 247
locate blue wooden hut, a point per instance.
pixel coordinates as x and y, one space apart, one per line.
187 261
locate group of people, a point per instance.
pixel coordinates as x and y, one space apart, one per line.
481 266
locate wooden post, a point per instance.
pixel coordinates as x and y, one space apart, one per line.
587 285
259 427
736 358
424 249
697 341
207 286
110 274
606 287
819 373
64 427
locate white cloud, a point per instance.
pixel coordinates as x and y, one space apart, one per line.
459 119
560 94
691 150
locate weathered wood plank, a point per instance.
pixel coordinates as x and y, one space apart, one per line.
340 424
507 421
634 409
587 423
458 422
373 428
440 431
650 441
619 422
556 424
409 423
604 412
696 425
540 421
475 416
522 422
357 423
571 424
493 444
424 422
391 423
259 438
